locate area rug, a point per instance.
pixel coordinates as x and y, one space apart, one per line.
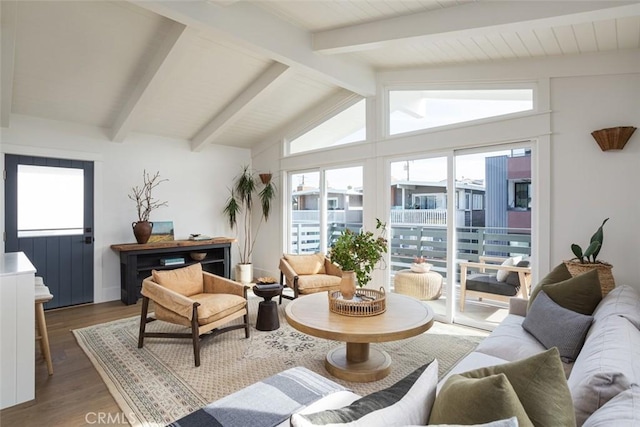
159 383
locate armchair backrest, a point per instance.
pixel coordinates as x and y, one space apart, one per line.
186 281
307 263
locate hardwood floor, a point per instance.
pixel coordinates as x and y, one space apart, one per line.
74 395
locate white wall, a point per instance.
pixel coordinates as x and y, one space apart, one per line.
196 190
589 185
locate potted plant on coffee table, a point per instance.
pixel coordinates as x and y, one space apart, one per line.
587 260
357 254
246 191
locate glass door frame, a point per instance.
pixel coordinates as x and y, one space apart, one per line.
451 313
323 203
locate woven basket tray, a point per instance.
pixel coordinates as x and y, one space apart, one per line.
605 276
366 302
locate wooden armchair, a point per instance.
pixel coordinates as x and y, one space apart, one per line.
195 299
485 284
309 273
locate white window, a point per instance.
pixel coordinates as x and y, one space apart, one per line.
50 201
411 110
344 128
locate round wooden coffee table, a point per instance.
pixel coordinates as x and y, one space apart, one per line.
356 361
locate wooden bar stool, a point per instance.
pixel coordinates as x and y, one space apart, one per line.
43 295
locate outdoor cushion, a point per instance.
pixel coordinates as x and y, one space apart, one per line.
306 264
501 275
186 280
513 278
483 282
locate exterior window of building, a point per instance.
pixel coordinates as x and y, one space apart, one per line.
346 127
411 110
523 195
478 202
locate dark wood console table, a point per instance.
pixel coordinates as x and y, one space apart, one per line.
137 261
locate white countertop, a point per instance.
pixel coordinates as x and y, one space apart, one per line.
15 263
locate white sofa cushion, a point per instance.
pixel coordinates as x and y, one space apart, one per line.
621 411
621 301
607 365
509 341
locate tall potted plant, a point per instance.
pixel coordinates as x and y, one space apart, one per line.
246 190
357 254
587 260
145 204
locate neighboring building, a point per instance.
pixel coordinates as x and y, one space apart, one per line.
509 191
425 203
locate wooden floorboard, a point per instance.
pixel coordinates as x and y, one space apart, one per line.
74 395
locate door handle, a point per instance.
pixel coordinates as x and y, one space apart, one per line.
88 240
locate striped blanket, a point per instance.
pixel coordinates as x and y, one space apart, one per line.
263 404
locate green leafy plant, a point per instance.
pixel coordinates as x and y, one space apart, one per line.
591 253
359 252
240 206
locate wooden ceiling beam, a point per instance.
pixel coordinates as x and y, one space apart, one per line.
471 19
9 22
169 53
266 82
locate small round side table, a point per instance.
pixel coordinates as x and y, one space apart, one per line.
267 310
423 286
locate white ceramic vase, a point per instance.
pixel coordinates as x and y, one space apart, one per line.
244 273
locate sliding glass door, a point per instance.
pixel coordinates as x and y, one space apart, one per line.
461 207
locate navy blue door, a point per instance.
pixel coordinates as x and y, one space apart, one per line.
49 217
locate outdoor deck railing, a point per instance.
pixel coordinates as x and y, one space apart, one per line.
407 242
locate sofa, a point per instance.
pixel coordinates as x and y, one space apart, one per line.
596 384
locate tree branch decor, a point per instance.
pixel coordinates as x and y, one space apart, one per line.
145 203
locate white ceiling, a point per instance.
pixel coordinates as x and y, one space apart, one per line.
240 72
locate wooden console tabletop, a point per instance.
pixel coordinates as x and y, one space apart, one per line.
123 247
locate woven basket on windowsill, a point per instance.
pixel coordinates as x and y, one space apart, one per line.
605 275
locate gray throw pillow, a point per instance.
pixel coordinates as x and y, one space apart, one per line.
556 326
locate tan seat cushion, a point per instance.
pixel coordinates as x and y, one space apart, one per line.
318 282
217 306
306 264
186 281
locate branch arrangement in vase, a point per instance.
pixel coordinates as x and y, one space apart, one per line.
145 203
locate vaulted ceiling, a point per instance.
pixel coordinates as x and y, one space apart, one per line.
240 72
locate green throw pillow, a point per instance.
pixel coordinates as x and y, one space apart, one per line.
581 293
540 383
468 401
558 274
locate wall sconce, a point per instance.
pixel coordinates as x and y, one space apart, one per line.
613 138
